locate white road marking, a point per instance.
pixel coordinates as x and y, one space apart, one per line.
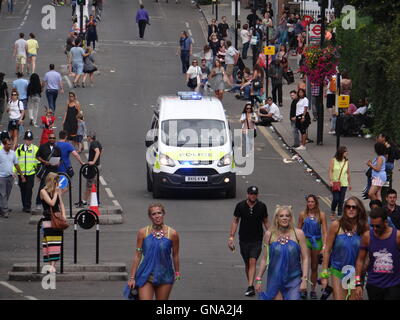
11 287
85 145
109 193
31 298
102 181
187 24
116 203
68 81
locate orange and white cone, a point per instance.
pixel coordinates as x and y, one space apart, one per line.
94 205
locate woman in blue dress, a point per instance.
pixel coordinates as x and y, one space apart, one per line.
285 254
155 265
342 246
313 223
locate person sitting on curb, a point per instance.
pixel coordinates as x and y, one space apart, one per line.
269 113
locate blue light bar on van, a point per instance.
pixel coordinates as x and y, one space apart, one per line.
189 95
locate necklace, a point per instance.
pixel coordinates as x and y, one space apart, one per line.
283 239
158 234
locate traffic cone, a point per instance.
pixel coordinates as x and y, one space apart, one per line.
94 205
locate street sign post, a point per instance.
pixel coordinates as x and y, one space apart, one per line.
343 101
269 51
315 32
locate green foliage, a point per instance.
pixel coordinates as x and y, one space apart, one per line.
371 56
382 11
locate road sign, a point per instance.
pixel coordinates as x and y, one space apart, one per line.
86 220
315 31
63 182
269 50
233 8
344 101
308 19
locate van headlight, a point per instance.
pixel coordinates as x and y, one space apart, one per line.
226 160
166 161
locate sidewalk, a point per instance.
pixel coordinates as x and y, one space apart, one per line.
316 156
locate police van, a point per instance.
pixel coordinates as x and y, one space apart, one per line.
189 146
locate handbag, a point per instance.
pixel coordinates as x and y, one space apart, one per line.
337 185
290 76
257 84
58 221
192 83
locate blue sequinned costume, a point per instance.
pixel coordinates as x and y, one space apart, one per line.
312 232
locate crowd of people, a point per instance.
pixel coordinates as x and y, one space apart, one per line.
25 162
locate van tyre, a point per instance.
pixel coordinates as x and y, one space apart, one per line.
231 192
149 182
156 190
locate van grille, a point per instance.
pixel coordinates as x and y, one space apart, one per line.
196 172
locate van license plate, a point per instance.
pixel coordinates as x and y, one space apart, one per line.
196 179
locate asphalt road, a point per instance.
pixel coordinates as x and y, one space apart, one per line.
132 75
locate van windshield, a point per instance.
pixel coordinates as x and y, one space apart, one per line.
193 133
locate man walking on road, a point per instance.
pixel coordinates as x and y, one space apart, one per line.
185 50
95 151
252 215
26 155
20 50
142 18
8 160
52 82
276 74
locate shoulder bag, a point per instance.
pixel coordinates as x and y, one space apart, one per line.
42 168
58 221
336 186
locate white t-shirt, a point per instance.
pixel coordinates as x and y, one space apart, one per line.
361 110
193 72
301 104
245 35
15 109
21 47
274 109
251 123
230 55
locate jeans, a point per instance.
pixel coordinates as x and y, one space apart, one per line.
33 107
142 27
275 88
10 6
295 131
6 184
245 49
185 59
51 95
338 200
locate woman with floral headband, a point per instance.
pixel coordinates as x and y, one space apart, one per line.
153 269
285 254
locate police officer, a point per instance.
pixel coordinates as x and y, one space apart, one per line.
26 155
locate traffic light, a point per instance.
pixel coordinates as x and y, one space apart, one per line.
81 2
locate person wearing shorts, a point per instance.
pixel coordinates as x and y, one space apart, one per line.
378 166
252 215
20 49
77 55
230 59
302 117
95 151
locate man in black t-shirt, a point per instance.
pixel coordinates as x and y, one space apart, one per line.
95 151
3 94
252 216
392 209
223 28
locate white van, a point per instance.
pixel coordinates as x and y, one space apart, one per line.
190 146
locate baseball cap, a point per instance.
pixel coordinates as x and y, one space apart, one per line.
28 135
252 190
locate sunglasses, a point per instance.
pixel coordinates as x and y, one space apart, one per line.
347 206
248 109
52 138
375 226
14 94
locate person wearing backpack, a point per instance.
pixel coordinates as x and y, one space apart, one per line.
16 112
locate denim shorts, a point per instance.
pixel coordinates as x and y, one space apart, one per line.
77 68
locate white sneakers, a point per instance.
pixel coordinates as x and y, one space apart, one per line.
301 148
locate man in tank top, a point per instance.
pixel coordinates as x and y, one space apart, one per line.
382 244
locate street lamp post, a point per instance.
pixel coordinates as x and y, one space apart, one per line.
236 22
320 106
81 3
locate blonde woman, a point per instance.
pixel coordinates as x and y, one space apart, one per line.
52 202
314 225
286 256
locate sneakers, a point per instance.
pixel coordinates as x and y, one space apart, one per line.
326 293
313 295
303 295
301 148
4 215
250 291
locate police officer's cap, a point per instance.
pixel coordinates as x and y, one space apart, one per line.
4 135
252 190
28 135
